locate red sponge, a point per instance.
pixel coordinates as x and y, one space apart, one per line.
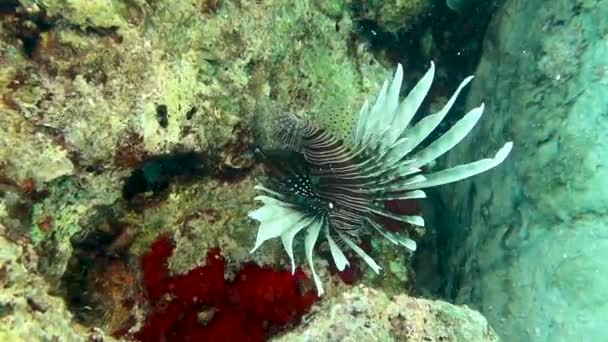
201 305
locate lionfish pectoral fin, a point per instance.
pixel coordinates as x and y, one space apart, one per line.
275 218
411 219
462 171
361 253
340 259
312 234
288 236
395 238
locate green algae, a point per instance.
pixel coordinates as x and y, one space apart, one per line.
395 15
101 70
27 309
87 114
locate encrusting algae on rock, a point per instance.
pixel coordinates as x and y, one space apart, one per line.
109 85
101 95
364 314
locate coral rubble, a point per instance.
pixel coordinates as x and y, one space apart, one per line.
27 311
364 314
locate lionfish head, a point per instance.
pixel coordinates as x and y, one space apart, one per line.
322 186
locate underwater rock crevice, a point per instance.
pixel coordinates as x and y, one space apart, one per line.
158 172
26 24
452 40
99 284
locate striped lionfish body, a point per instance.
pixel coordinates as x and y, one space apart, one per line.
320 185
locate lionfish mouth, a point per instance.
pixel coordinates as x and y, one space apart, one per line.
319 184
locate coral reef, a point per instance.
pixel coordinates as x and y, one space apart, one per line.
124 120
394 15
202 305
364 314
99 280
200 216
95 91
27 311
65 210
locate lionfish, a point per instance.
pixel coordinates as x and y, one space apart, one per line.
321 186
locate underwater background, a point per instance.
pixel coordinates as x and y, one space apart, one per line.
130 139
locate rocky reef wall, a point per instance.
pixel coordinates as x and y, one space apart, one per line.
127 130
527 243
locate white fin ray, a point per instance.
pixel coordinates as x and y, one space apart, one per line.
312 234
387 109
424 127
399 186
462 171
267 200
368 260
392 97
268 191
411 219
264 213
409 106
397 174
340 259
269 210
395 238
276 225
382 231
449 139
397 152
415 194
409 244
288 236
374 117
363 114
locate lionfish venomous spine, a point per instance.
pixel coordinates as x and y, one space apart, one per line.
319 184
